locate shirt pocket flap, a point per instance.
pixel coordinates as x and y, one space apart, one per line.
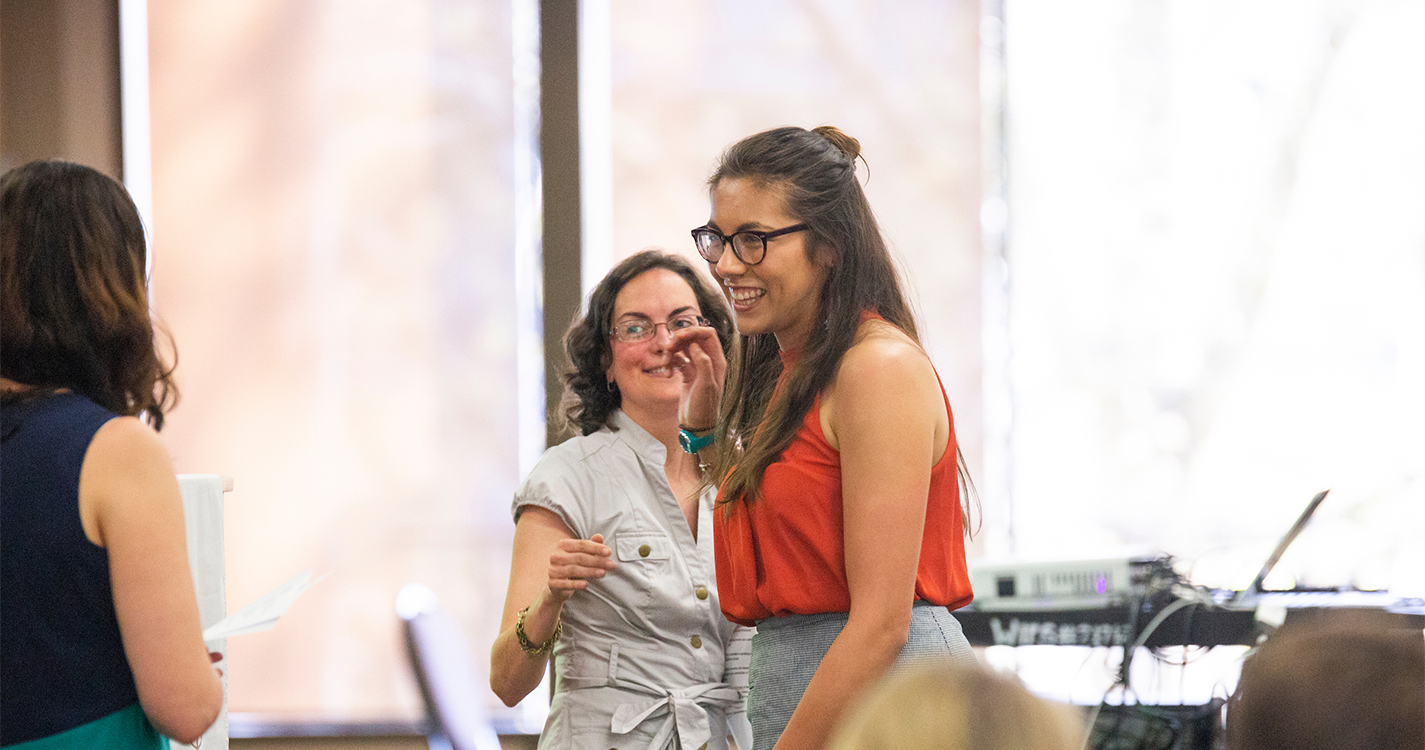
632 547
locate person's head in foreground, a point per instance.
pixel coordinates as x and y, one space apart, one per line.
1344 682
947 707
73 298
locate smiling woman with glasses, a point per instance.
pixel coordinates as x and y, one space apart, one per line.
609 580
841 531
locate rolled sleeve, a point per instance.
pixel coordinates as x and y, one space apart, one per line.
558 485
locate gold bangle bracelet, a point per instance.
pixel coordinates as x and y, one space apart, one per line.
531 648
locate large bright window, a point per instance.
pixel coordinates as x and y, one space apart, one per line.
1217 251
1217 290
334 221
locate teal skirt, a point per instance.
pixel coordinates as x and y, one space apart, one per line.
125 729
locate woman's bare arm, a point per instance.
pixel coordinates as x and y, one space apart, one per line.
549 565
882 415
130 505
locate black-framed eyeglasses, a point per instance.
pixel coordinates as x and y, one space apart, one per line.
749 246
639 328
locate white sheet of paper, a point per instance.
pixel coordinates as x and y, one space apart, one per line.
263 613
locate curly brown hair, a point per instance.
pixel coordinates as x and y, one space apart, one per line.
73 294
588 399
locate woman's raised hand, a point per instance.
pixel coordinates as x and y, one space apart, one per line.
697 353
575 562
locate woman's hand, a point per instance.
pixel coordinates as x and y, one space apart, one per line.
697 353
574 563
549 565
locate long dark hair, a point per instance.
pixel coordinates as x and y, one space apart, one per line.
815 173
588 400
73 295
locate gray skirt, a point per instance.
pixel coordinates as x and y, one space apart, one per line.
787 650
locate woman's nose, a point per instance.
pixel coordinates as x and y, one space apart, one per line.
729 264
662 336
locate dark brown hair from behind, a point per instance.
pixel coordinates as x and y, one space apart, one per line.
588 401
1347 680
73 295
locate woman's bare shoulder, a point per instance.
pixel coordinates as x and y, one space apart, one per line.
884 366
126 463
884 391
882 350
126 443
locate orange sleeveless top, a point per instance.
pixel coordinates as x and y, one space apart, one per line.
783 553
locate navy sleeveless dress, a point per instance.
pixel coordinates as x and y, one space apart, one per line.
66 682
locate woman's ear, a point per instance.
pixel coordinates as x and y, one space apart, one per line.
823 255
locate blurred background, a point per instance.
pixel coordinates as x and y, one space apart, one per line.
1169 257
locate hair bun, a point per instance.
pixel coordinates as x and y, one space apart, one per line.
848 145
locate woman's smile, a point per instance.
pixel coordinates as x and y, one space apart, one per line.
781 293
643 370
744 297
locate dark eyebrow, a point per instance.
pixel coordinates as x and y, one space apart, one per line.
645 316
748 226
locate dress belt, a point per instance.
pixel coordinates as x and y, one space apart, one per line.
686 707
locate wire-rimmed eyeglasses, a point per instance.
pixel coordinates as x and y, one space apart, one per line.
639 328
749 246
